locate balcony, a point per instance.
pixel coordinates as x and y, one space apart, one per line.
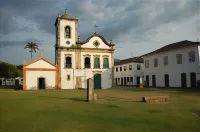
87 65
68 65
96 65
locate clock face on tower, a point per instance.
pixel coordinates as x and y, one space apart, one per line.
67 42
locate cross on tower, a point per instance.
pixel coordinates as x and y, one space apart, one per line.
41 52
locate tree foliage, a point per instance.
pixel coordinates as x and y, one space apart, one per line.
8 70
32 46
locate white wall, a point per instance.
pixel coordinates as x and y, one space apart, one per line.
67 84
128 73
173 69
32 79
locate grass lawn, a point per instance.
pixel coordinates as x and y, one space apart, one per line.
115 111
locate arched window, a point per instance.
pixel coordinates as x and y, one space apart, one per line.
67 32
155 62
106 63
165 60
96 62
87 62
179 58
191 56
68 62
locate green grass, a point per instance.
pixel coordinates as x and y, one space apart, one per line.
114 111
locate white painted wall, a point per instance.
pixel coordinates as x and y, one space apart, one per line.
128 73
63 24
32 79
173 69
67 84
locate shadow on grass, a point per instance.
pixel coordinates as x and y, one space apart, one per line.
72 99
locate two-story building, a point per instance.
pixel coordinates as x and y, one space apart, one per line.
174 65
128 72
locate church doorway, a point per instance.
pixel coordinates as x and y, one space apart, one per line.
41 83
193 79
97 81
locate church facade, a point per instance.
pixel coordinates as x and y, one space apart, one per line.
79 60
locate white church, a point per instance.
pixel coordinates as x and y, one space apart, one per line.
75 61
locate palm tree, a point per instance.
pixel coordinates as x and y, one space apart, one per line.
32 46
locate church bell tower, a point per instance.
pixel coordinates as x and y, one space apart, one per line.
66 28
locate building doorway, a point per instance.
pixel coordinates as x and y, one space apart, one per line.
138 81
125 81
166 80
147 80
41 83
183 80
97 81
122 82
193 80
116 81
153 80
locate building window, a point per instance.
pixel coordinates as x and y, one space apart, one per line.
191 56
118 79
179 58
155 62
68 63
165 60
67 32
124 68
68 77
105 63
130 67
116 69
138 67
96 62
120 68
127 79
131 78
147 63
87 62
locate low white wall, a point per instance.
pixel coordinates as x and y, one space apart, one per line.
32 79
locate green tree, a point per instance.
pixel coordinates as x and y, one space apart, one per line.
8 70
32 46
19 67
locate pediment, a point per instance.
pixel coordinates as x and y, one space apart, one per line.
40 63
95 42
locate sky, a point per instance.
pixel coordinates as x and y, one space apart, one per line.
136 27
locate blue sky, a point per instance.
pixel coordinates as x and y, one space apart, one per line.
135 26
